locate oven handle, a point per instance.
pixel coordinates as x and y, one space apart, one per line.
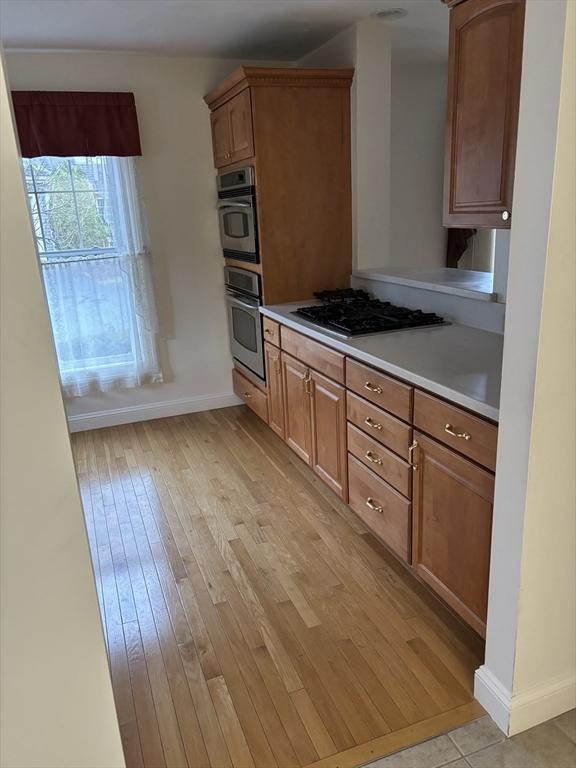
235 300
234 205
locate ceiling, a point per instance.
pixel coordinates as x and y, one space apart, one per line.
281 30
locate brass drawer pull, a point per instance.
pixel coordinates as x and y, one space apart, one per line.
371 423
449 429
411 450
372 505
268 331
373 388
374 458
306 381
247 395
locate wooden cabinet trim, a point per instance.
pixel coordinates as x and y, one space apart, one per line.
243 77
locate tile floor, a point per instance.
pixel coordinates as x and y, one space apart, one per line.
482 745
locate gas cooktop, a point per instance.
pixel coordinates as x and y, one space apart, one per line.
350 312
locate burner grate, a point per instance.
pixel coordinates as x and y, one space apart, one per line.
354 313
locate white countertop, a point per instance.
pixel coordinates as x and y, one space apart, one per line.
459 282
457 362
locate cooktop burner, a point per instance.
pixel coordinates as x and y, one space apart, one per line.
354 313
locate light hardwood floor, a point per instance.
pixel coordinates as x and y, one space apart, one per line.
251 619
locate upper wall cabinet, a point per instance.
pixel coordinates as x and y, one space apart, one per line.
232 134
484 69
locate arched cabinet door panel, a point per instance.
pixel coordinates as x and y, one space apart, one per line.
484 69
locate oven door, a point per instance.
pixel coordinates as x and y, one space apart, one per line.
245 327
237 218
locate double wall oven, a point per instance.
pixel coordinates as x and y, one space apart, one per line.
237 215
243 298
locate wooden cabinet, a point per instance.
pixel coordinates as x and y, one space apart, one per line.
292 125
297 406
484 69
275 389
329 433
452 524
252 395
232 134
315 421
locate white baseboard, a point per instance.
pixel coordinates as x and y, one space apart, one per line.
131 413
514 714
541 703
493 696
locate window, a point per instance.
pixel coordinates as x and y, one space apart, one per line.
95 265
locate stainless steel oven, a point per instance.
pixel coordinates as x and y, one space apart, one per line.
237 215
244 319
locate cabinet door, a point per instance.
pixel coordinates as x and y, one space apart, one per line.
297 411
329 433
484 68
220 136
275 392
452 528
240 122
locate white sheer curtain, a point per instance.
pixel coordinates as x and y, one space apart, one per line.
102 306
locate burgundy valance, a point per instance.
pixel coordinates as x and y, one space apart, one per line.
76 124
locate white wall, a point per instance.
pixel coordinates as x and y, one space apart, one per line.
179 192
366 47
56 706
529 672
546 635
418 111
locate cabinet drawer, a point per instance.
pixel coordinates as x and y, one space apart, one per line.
271 331
384 510
473 437
254 398
316 355
378 424
388 393
384 463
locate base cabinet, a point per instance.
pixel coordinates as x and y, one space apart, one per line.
297 406
329 433
452 524
275 389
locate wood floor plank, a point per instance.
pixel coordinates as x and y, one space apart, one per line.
233 733
250 617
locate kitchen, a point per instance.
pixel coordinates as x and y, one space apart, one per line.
318 594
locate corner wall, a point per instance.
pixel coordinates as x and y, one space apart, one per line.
366 47
56 709
529 674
